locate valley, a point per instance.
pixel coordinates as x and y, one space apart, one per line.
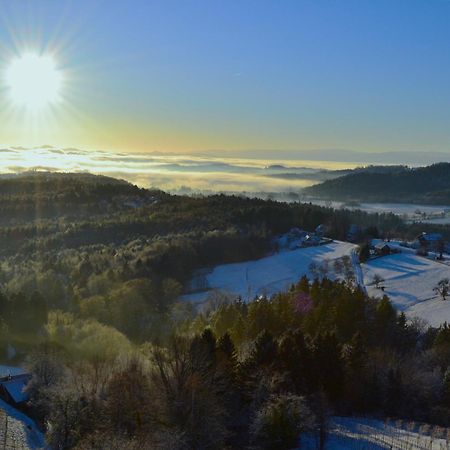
94 269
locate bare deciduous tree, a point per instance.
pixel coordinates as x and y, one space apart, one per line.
313 269
443 288
377 280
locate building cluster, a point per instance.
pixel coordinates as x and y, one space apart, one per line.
298 238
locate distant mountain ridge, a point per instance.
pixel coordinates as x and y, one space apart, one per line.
427 185
327 174
413 158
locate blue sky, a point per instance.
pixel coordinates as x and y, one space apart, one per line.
237 75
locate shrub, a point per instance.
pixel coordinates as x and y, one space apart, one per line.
279 423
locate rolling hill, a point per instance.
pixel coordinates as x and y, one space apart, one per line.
423 185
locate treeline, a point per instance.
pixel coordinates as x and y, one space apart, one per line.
254 375
178 215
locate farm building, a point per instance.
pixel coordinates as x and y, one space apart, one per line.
430 241
429 237
382 249
312 240
12 389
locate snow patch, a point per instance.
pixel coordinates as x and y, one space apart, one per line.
409 283
360 433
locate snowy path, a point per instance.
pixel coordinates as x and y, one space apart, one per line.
18 431
359 276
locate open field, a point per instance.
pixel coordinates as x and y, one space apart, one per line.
437 214
270 274
409 282
409 279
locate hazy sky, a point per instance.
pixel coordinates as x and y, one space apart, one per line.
367 75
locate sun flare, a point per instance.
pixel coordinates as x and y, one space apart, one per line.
34 81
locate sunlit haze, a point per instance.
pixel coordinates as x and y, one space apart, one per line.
201 173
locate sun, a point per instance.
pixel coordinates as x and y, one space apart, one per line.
34 81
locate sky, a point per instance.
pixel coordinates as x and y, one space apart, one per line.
235 75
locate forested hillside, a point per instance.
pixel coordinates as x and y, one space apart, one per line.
91 270
241 376
108 250
36 197
426 185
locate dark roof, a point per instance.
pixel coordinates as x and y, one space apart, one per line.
15 386
11 370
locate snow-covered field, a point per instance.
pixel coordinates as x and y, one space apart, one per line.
401 209
271 274
438 220
409 279
409 282
368 434
406 209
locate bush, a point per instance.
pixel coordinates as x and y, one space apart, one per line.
364 252
280 422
